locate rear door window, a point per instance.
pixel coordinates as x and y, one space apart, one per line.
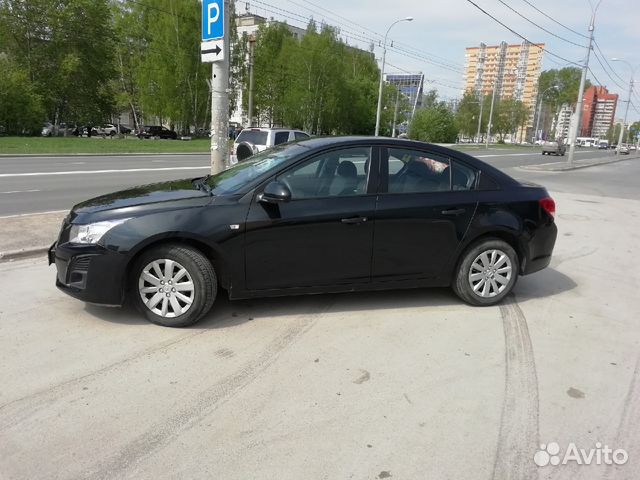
254 137
281 137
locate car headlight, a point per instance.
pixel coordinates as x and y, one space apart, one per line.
92 233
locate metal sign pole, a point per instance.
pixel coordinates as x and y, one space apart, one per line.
215 49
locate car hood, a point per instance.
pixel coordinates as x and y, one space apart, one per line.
175 194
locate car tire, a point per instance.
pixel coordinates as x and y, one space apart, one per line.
186 285
483 264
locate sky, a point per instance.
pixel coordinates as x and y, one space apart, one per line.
442 29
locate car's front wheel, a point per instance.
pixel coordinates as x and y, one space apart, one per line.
173 285
487 272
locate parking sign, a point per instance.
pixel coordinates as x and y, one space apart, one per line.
212 20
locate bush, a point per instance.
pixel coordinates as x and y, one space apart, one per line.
435 125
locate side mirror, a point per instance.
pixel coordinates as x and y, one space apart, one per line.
275 192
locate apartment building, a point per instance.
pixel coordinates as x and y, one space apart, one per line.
598 112
513 70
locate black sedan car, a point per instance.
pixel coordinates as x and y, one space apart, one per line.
320 215
157 131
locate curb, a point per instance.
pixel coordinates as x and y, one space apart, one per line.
548 167
22 254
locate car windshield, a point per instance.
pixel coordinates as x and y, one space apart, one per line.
255 137
232 180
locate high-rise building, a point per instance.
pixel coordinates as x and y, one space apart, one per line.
512 69
562 122
598 112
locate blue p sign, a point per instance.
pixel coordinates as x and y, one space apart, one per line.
212 19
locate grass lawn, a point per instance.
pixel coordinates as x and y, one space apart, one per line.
99 145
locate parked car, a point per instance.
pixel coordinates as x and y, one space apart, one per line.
623 149
253 140
321 215
157 131
49 130
553 148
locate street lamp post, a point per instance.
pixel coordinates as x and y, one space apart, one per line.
384 59
540 108
626 111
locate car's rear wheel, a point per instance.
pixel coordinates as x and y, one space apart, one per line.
487 272
173 285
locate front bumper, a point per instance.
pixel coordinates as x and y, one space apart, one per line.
90 273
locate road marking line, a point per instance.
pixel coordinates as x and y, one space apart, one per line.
85 172
516 154
20 191
18 215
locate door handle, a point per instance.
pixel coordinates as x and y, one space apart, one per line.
454 212
354 220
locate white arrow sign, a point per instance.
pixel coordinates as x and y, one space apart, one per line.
212 51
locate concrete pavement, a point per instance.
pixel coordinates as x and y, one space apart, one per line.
404 385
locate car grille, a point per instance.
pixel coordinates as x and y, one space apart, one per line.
80 264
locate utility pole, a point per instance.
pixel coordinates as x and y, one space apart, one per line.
540 110
252 41
480 118
395 114
493 100
577 116
626 114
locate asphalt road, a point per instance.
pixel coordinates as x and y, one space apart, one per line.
41 184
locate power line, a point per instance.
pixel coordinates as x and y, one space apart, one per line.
598 82
606 71
519 35
539 26
427 80
296 17
554 20
607 61
373 32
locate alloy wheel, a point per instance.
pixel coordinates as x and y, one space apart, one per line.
166 288
490 273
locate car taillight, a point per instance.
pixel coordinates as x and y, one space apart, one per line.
548 205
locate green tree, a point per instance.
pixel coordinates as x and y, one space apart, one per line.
21 110
435 124
66 48
568 82
171 78
634 131
468 114
508 116
318 84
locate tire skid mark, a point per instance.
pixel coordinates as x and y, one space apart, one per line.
518 437
628 436
132 454
22 408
